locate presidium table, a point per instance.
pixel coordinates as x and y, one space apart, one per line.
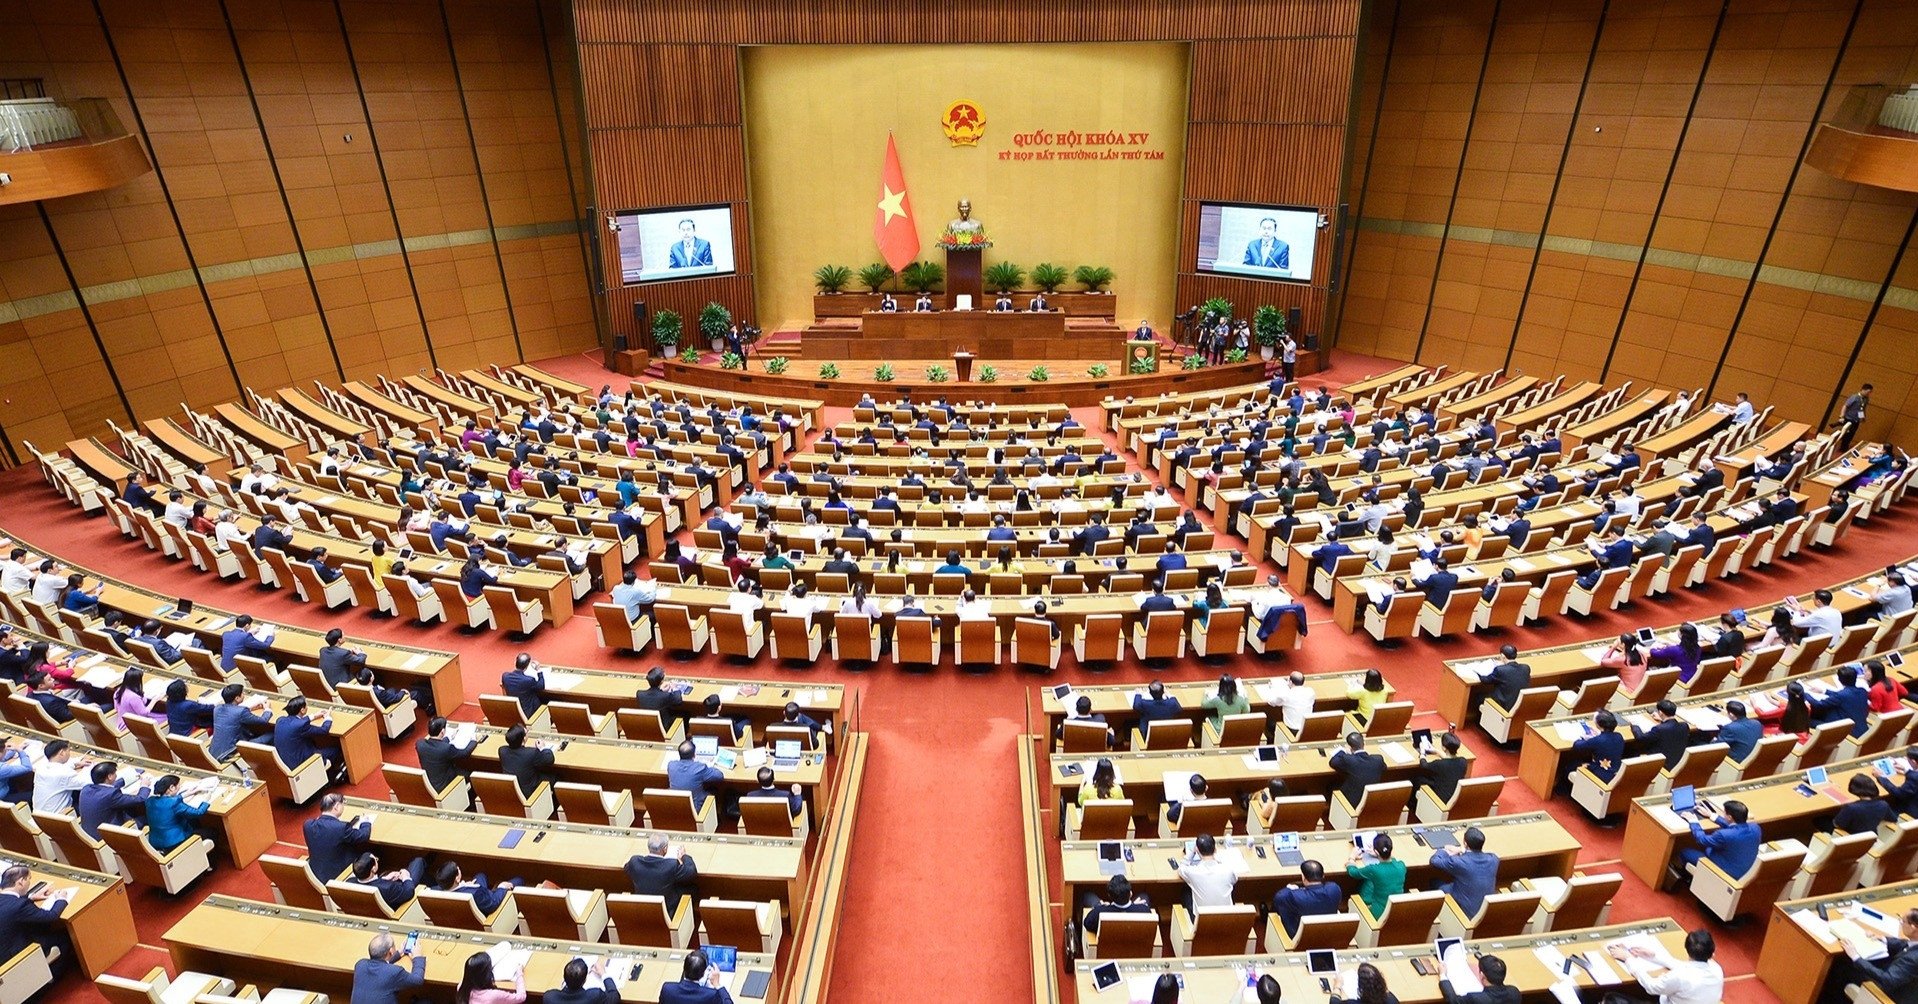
988 335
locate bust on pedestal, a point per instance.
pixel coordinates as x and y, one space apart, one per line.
964 241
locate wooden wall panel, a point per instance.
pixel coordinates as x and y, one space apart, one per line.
193 275
661 85
1686 246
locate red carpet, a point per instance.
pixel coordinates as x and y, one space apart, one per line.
937 888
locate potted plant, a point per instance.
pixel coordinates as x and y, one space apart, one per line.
1268 326
883 373
1003 276
1216 309
1141 367
1048 276
731 361
935 373
1235 355
828 371
1097 370
666 330
714 321
1194 361
690 355
875 276
922 276
1038 374
1093 277
988 373
777 365
832 278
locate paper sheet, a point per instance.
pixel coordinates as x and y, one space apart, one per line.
1397 753
1454 966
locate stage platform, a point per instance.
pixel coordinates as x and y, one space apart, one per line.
1067 383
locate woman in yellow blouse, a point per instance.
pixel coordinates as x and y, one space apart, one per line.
1369 694
1103 784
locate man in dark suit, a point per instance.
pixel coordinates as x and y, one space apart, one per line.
332 843
1668 737
239 640
385 974
1507 678
1357 768
106 802
1158 602
270 535
1701 533
1661 541
661 872
1267 250
1438 586
699 983
841 565
1311 896
440 760
1154 705
655 697
531 766
1603 751
1491 972
1612 550
1845 702
30 919
1094 532
573 988
340 664
1903 794
526 682
293 738
1473 871
1441 774
1897 973
1710 479
395 887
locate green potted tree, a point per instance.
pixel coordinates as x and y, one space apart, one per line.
1216 309
1003 276
1268 326
714 321
667 329
923 276
875 276
1049 277
831 279
1093 277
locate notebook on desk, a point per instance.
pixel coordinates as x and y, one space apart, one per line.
1435 839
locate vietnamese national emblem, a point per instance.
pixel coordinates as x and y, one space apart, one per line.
964 123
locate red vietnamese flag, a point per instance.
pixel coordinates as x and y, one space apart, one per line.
892 227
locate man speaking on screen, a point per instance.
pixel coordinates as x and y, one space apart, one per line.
1269 251
690 251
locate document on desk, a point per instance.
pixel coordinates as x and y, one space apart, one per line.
508 960
1377 589
1519 565
415 661
464 733
1551 958
1601 969
1473 671
1571 732
1595 652
1454 966
1397 753
1877 922
1632 943
1565 991
1178 784
1814 925
562 681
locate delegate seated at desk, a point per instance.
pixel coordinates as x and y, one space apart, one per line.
31 918
385 974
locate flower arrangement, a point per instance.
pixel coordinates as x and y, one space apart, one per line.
1038 374
1194 361
731 361
988 373
959 240
689 355
828 371
1235 355
1097 370
884 373
777 365
935 373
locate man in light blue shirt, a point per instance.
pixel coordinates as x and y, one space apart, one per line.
689 775
1742 411
635 596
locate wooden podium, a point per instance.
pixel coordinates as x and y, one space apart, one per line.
962 363
965 276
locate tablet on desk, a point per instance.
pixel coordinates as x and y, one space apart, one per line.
1266 754
1105 977
1322 962
1645 635
1817 776
724 956
1062 691
1684 798
705 747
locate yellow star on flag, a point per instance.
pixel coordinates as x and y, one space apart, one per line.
893 204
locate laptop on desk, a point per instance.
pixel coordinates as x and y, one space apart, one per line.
786 754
